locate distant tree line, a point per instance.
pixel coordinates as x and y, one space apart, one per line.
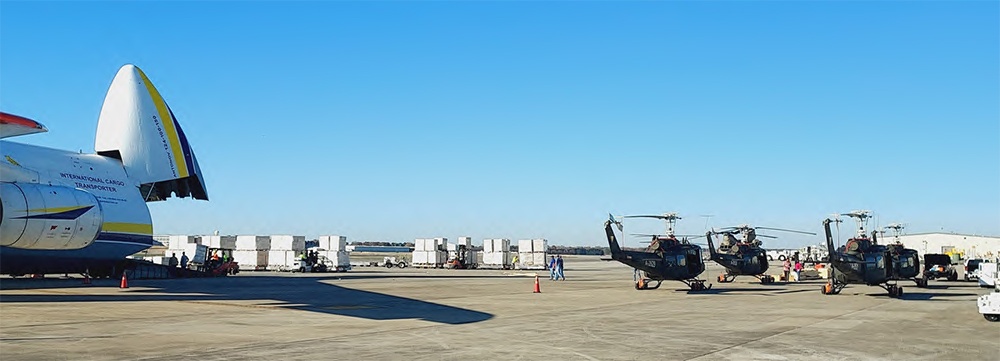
579 250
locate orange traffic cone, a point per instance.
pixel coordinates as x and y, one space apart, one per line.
124 281
537 287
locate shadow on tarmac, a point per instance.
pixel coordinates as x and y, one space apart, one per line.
296 293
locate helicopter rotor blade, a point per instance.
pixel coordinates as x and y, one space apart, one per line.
657 216
765 236
786 230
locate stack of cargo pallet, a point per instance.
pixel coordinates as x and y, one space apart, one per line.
496 253
251 252
283 251
531 253
430 252
335 249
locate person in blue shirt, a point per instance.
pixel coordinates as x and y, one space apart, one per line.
552 268
559 268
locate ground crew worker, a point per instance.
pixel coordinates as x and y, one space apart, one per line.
184 260
559 268
552 268
173 260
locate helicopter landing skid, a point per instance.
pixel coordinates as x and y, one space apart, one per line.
643 284
833 287
726 278
894 290
765 279
696 284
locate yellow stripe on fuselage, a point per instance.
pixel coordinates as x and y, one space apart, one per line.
168 125
136 228
56 209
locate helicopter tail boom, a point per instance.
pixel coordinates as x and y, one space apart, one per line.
829 239
711 246
616 250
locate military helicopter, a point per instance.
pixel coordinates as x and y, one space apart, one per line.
863 261
742 257
665 259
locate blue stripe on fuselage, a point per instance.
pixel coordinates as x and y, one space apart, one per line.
107 250
73 214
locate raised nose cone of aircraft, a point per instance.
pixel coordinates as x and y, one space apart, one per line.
137 126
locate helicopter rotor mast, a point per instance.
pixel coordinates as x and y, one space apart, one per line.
861 217
897 230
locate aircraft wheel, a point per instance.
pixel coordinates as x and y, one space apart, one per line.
991 317
953 276
401 264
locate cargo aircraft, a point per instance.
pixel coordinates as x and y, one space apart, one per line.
67 212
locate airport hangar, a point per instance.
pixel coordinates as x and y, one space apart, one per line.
970 246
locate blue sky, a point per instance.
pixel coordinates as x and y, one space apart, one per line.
402 120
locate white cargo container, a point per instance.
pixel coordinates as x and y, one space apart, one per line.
501 245
436 257
251 260
341 260
452 247
524 246
420 257
418 244
223 242
531 260
333 243
181 241
496 259
285 242
465 241
539 245
538 258
487 245
281 260
253 243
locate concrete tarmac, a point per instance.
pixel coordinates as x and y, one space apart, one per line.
418 314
